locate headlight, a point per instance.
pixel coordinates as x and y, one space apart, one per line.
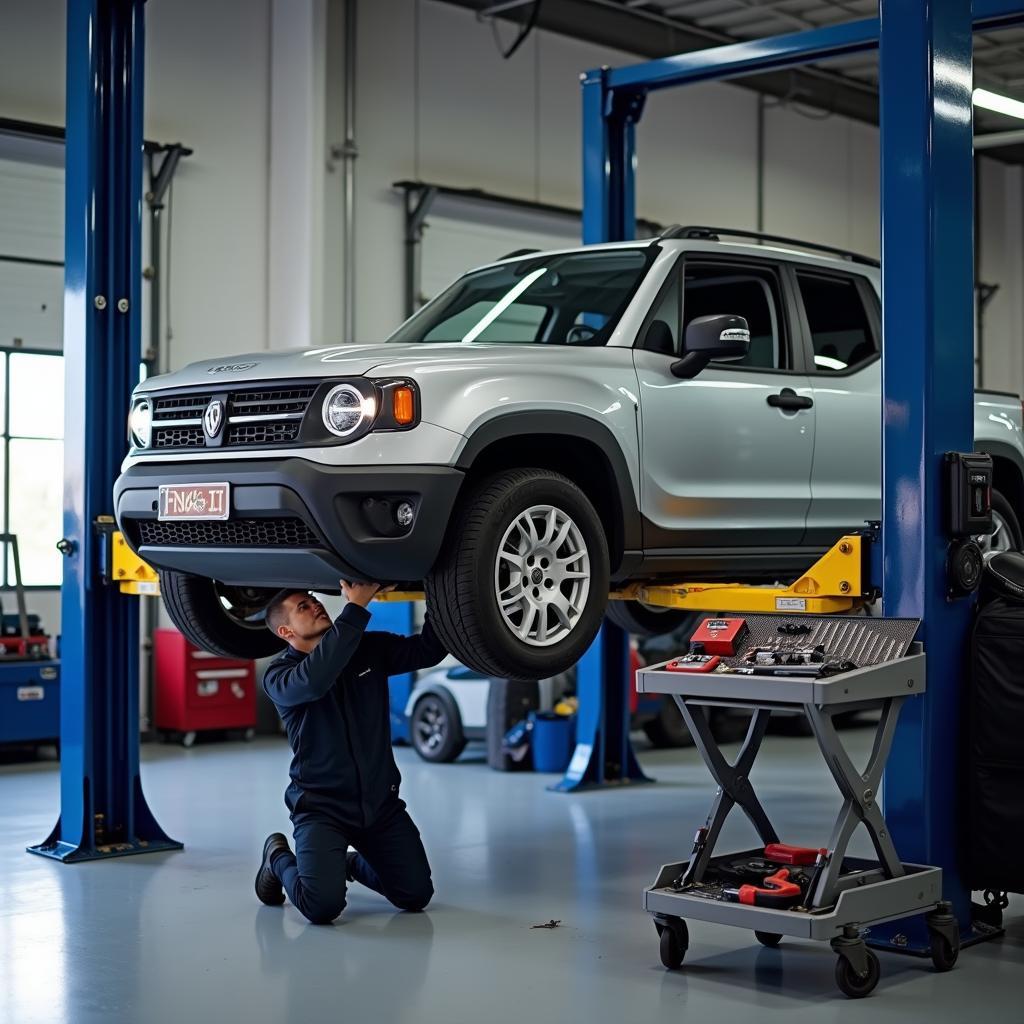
140 422
346 409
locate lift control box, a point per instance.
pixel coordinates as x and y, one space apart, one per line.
970 493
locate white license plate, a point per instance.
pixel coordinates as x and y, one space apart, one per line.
194 501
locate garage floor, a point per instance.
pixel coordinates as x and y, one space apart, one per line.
173 937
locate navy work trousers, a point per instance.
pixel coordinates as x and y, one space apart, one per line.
389 859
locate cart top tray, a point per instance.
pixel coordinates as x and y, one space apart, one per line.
901 677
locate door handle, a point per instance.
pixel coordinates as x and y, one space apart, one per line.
789 400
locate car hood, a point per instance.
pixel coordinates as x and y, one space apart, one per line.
342 361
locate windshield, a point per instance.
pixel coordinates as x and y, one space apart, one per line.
568 299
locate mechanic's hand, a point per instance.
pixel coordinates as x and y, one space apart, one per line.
359 592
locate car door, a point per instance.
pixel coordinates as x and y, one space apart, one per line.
840 318
726 456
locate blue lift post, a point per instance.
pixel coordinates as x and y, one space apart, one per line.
925 100
103 811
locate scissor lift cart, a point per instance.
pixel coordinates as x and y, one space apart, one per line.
841 897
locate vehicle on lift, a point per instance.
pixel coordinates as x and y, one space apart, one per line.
551 426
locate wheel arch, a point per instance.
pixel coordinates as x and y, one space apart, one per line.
578 447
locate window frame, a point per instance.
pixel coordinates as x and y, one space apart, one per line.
790 343
872 308
6 582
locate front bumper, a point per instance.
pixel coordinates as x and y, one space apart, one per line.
293 522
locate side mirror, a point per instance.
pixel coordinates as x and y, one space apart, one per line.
708 338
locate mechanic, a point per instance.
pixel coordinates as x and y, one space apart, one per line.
331 689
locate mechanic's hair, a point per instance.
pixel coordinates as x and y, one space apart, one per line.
276 614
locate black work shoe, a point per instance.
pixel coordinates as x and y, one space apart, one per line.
268 886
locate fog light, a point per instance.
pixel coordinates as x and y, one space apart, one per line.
404 514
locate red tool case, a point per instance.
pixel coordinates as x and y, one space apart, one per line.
197 691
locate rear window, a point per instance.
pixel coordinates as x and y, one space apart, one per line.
841 332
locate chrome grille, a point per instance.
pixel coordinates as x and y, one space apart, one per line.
257 417
279 532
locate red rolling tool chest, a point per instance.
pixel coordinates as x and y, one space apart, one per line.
196 691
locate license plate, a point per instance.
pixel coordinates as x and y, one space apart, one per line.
194 501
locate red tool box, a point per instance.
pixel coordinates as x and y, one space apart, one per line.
197 691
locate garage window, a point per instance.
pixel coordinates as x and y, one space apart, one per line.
31 462
840 330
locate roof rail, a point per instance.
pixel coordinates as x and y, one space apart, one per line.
714 235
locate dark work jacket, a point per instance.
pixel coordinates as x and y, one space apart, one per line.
334 704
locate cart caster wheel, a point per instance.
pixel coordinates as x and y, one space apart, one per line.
672 950
851 984
769 939
249 735
944 953
187 739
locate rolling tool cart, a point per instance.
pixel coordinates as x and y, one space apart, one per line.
29 677
823 666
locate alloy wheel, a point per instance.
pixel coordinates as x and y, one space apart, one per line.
542 575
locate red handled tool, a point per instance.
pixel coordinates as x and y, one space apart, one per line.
775 891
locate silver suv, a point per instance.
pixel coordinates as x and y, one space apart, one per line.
550 426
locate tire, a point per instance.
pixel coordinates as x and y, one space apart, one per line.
850 984
674 940
463 588
435 728
196 606
944 953
667 729
1007 535
769 939
644 620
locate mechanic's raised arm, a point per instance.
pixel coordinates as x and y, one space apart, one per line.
408 653
310 679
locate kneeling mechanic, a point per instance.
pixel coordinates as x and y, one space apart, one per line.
331 689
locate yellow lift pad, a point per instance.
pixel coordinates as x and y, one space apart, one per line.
833 584
131 573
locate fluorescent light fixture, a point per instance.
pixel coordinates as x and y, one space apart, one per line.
502 304
1000 104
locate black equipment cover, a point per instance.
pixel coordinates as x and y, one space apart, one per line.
995 838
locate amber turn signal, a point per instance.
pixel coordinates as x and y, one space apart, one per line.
404 406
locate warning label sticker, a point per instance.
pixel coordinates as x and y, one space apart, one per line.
790 604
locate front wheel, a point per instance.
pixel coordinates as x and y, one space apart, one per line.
521 584
1006 532
224 620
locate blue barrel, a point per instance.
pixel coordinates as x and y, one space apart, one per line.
552 740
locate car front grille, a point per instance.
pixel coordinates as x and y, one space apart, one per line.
280 532
257 417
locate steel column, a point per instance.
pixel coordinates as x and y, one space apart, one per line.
927 383
103 812
604 754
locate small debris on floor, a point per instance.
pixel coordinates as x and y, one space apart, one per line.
550 924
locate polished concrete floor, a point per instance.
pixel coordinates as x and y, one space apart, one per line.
180 937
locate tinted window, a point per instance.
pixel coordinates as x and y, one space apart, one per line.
752 294
840 330
569 299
